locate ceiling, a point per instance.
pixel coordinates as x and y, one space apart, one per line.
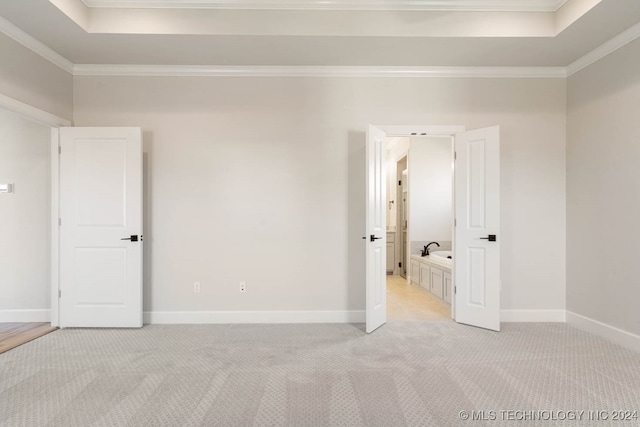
449 5
470 33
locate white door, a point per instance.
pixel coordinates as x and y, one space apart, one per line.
100 205
477 231
376 230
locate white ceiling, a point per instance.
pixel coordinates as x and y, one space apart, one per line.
206 37
441 5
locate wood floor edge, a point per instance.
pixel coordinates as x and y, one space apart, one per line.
29 338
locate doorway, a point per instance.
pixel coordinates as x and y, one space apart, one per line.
24 247
473 285
420 169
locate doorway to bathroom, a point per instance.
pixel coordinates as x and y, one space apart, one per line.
419 227
473 283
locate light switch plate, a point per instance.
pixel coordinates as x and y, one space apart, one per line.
6 188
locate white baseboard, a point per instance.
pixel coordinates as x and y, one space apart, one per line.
202 317
611 333
533 316
43 315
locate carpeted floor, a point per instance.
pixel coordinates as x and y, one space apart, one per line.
406 373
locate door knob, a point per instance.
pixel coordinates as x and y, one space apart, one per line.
490 237
373 237
133 238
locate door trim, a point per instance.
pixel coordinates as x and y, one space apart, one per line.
55 226
408 131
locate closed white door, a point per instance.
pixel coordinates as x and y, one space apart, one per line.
101 227
477 230
376 232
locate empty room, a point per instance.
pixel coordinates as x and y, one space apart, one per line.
319 213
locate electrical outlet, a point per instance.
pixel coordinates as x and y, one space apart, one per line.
196 287
243 286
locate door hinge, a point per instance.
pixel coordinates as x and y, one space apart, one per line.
59 222
399 182
399 264
59 293
455 290
455 155
455 222
59 149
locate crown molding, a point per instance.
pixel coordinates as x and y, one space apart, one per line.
32 113
55 58
426 5
315 71
10 30
604 49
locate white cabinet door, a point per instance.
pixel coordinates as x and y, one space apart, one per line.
376 230
436 282
447 287
477 231
425 278
100 205
391 257
415 272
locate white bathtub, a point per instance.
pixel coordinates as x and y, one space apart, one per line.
441 257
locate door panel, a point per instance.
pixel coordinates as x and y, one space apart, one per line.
100 164
100 204
415 272
101 276
447 287
477 276
477 205
425 279
376 232
436 282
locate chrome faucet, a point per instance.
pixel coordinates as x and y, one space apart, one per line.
425 251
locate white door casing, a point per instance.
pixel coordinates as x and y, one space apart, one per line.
375 238
477 212
100 204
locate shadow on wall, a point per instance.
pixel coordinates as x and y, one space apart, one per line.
356 221
626 78
147 197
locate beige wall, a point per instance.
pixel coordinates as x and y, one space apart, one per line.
262 179
430 190
603 190
29 78
24 215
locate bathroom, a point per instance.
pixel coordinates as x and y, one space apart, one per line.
419 227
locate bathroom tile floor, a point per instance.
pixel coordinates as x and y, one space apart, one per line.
406 301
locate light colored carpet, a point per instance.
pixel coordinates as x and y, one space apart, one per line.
404 374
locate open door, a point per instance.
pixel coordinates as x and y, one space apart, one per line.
376 230
100 227
477 230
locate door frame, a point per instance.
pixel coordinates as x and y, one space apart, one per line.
447 131
54 122
400 206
